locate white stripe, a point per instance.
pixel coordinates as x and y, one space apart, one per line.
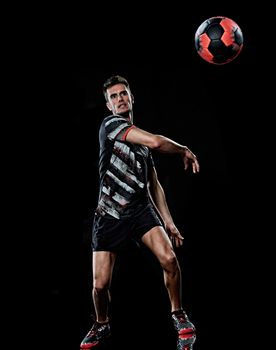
126 151
115 132
120 183
109 210
114 120
123 168
117 197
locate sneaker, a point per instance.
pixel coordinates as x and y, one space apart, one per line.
97 333
182 324
186 342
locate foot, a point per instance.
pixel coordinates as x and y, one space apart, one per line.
97 334
186 342
182 324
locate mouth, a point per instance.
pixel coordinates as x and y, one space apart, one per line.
123 107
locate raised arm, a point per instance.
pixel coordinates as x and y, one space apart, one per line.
163 144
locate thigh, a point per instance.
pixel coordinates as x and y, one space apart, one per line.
158 242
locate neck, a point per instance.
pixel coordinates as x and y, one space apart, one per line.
128 115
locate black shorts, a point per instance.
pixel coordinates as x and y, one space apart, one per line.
110 234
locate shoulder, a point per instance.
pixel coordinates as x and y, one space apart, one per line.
116 126
107 119
114 120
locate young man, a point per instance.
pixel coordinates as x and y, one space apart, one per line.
131 203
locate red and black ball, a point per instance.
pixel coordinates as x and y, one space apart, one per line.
219 40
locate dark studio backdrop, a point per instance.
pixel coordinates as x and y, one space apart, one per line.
210 108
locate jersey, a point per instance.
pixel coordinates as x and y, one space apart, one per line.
123 169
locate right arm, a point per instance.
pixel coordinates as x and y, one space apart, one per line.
158 198
163 144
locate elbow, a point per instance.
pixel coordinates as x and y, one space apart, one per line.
156 142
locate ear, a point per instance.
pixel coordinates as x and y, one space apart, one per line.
132 98
108 106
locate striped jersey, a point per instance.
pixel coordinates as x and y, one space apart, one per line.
123 169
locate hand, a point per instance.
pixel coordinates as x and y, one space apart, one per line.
190 158
174 235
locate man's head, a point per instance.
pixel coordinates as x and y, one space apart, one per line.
119 98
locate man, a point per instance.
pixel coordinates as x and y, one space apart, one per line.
132 204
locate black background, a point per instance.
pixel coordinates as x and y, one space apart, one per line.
220 112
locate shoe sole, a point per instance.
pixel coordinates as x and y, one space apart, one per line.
91 345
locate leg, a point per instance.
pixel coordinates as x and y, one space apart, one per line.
158 242
103 263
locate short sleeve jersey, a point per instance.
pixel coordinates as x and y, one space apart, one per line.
123 169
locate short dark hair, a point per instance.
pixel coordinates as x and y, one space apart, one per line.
115 79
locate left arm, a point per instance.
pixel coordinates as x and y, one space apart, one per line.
164 145
158 198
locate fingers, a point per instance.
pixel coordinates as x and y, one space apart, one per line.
195 166
177 240
191 158
185 164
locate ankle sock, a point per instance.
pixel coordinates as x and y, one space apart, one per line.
178 312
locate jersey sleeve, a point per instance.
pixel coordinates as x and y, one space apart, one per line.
117 128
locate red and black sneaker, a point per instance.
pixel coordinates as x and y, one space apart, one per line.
182 324
186 342
97 333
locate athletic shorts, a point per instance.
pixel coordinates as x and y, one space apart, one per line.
110 234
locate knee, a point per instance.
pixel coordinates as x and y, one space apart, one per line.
170 263
100 286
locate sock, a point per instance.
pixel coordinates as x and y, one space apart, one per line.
177 312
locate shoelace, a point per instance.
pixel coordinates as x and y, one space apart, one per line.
181 318
92 330
97 327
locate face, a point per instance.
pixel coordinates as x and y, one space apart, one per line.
119 98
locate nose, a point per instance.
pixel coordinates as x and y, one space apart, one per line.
120 97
